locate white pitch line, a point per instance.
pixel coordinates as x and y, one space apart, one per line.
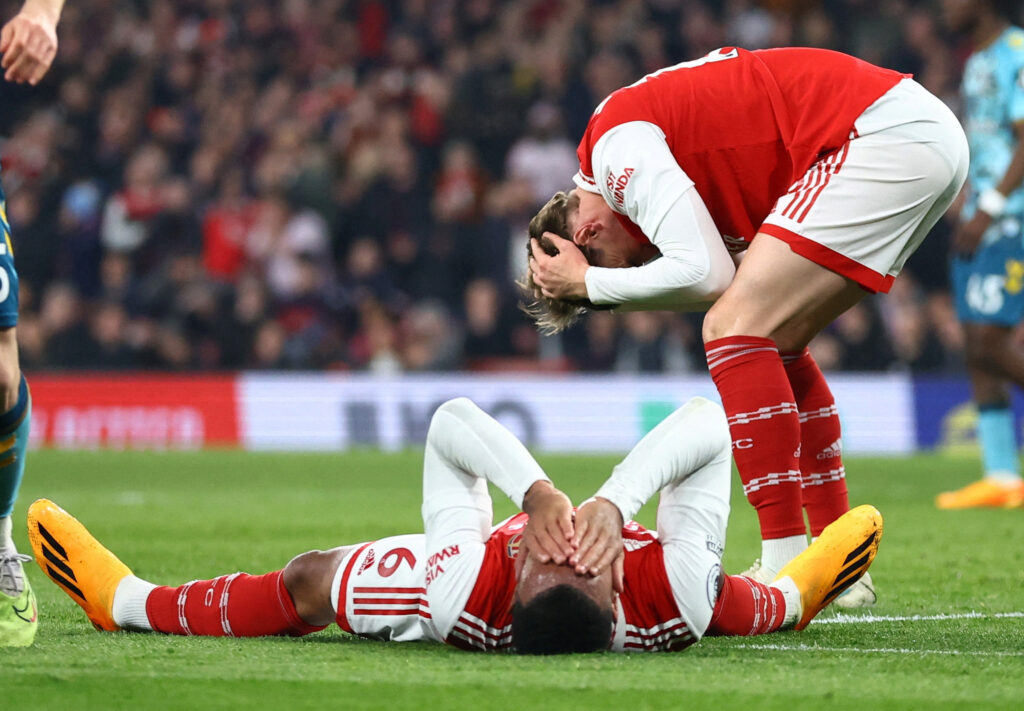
877 650
871 619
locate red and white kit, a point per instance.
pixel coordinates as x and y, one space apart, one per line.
849 163
455 582
670 577
379 590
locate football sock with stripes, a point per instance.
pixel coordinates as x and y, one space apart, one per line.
765 428
746 607
14 431
237 605
998 443
823 478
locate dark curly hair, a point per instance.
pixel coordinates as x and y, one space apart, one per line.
561 620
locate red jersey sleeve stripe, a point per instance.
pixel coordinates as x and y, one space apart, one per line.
342 617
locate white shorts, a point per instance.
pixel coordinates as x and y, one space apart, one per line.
863 209
378 591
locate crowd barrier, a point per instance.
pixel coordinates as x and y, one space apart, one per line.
887 414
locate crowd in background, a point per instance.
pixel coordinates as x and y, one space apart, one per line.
345 184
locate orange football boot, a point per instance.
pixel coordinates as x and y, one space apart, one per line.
75 561
984 493
835 561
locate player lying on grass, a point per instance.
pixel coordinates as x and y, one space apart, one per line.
590 583
825 191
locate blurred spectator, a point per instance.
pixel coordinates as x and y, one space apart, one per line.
544 157
347 185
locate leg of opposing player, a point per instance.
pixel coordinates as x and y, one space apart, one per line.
18 612
294 601
990 304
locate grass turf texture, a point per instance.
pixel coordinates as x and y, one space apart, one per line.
176 517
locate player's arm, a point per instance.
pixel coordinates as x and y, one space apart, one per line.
992 202
693 437
694 267
29 41
465 449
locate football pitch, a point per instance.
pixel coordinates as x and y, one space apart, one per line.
947 632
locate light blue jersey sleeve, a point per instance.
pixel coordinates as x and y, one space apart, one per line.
993 89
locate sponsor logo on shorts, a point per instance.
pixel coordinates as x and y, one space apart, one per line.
368 562
744 443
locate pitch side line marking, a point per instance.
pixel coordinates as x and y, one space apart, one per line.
871 619
877 650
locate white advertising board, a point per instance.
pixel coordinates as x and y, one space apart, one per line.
549 413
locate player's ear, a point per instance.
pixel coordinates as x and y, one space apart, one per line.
583 234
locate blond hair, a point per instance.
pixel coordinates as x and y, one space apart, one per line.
550 315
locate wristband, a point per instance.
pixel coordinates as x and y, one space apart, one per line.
992 203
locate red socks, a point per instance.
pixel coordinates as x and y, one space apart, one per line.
821 459
237 605
765 429
746 607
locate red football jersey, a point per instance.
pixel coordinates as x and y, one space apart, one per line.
744 126
649 619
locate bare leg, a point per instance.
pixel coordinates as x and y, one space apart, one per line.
308 577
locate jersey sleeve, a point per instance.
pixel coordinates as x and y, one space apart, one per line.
465 449
693 437
638 176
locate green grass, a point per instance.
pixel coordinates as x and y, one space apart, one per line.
176 517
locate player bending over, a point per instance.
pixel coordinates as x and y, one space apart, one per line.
475 586
827 191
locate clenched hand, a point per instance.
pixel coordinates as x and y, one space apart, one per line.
561 276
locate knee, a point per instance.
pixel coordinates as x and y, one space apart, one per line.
308 577
718 323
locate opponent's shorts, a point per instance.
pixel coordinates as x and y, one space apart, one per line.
989 286
379 590
863 209
8 275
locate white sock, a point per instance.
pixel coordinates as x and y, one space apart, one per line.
129 606
1003 476
776 552
794 605
6 542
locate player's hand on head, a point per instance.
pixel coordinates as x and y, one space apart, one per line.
968 234
28 44
599 539
562 275
548 534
